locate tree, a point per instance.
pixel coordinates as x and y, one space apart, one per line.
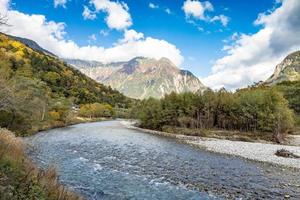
3 20
6 94
96 110
254 109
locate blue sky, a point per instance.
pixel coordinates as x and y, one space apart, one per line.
200 38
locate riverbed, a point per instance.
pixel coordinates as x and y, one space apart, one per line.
106 160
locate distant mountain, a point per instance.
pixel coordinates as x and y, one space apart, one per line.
138 78
141 77
287 70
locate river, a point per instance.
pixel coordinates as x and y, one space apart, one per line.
105 160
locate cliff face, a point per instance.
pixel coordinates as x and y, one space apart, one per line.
142 77
287 70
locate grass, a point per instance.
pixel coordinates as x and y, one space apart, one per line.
21 179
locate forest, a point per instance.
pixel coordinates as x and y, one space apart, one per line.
38 91
256 109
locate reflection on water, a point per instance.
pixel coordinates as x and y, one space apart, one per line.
105 160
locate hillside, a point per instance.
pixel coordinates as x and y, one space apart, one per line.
287 70
37 89
141 77
286 79
32 44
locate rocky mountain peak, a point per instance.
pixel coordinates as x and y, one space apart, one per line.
143 77
287 70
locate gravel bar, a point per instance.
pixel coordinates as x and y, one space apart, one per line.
262 152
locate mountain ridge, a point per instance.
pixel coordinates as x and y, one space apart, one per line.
141 77
123 76
31 44
287 70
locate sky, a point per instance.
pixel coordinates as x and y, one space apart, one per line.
226 43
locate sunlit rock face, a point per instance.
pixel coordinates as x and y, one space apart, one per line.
141 77
287 70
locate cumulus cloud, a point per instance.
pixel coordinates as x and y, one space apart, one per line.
60 3
117 17
88 14
153 6
131 35
143 46
52 36
222 18
197 9
253 57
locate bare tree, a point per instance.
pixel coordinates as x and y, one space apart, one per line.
3 20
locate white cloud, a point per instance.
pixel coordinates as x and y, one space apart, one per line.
168 11
104 32
93 37
88 14
222 18
252 58
153 6
52 36
60 3
197 9
146 47
117 17
131 35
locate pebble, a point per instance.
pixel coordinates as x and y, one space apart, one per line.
251 150
263 152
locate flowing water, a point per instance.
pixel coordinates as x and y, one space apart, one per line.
105 160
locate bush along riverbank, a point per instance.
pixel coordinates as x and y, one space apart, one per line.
252 113
21 179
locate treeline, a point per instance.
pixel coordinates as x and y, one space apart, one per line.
96 110
249 110
38 91
291 91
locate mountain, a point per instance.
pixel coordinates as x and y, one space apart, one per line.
287 70
141 77
38 90
32 44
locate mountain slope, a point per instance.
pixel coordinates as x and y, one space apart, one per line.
286 79
141 77
32 44
37 89
287 70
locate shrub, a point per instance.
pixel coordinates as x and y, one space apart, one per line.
96 110
54 115
20 179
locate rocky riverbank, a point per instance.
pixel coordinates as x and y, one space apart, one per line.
256 151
